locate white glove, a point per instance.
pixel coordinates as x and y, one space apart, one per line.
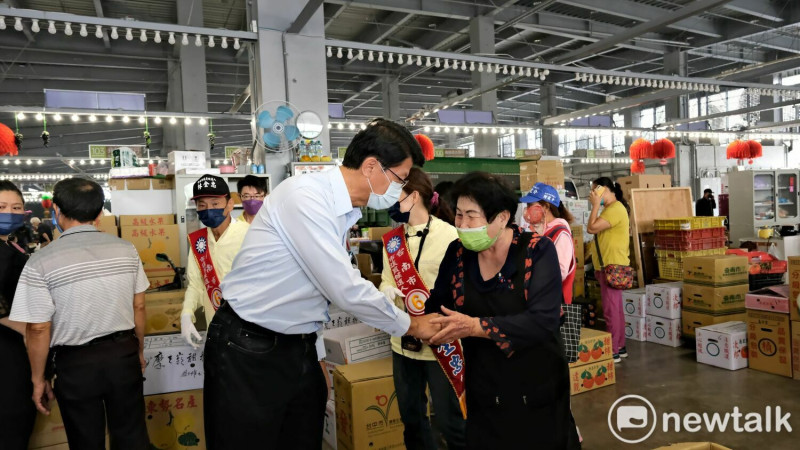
392 292
188 331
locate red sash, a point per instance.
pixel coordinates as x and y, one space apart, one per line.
198 241
449 356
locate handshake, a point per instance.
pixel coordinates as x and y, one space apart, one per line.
438 329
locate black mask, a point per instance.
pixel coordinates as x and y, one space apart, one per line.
397 216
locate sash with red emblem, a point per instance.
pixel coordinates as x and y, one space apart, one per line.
449 356
198 241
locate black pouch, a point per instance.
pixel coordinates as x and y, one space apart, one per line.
411 344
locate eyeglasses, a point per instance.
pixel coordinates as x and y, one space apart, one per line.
403 182
253 197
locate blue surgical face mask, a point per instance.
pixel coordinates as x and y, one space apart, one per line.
212 218
10 222
388 198
55 223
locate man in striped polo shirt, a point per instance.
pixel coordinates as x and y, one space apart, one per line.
82 298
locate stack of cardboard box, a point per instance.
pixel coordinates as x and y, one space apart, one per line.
722 345
634 304
663 313
643 182
594 367
769 330
579 284
714 290
153 234
548 171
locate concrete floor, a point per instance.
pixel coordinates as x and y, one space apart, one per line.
673 381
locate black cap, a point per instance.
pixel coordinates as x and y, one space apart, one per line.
210 186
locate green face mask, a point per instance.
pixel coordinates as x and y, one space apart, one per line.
476 239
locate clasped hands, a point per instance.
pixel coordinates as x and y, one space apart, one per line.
438 329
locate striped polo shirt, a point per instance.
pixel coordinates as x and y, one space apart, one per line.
84 283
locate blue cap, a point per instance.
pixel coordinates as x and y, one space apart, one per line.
541 191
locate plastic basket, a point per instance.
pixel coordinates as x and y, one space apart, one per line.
763 280
693 244
683 254
670 269
688 235
688 223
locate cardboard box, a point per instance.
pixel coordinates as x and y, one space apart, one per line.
163 319
714 299
542 166
796 350
172 365
329 427
151 240
664 300
175 421
367 415
178 160
588 377
722 345
643 182
158 281
48 430
717 270
634 302
147 220
694 446
376 233
330 367
140 184
664 331
376 280
174 297
339 319
691 320
578 285
594 346
577 243
356 343
769 342
794 286
773 298
364 261
636 328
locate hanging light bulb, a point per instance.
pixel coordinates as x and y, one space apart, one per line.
340 126
157 37
329 52
497 68
75 118
187 121
636 82
419 61
577 76
463 65
35 25
171 38
198 41
173 121
472 66
109 119
380 57
39 116
371 56
185 39
2 22
349 53
480 67
536 73
98 32
546 72
143 36
352 126
57 117
114 34
591 78
542 76
428 62
236 43
528 72
129 34
126 119
157 120
51 28
446 63
513 70
202 121
361 55
391 58
92 118
141 119
67 28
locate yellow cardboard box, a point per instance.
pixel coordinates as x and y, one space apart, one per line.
796 350
643 182
175 421
146 220
696 319
577 242
376 233
588 377
593 347
579 284
164 311
769 342
714 300
717 270
794 286
367 415
48 430
158 281
151 240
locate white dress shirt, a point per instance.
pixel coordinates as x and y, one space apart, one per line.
294 261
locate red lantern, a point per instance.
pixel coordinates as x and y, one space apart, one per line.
754 150
663 149
637 167
738 150
7 144
427 146
641 149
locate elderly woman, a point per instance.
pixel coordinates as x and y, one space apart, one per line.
500 291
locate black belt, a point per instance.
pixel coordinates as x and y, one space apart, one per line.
226 309
113 337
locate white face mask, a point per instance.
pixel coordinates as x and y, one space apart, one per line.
388 198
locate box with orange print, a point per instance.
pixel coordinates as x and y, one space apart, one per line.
593 347
152 240
589 377
175 421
